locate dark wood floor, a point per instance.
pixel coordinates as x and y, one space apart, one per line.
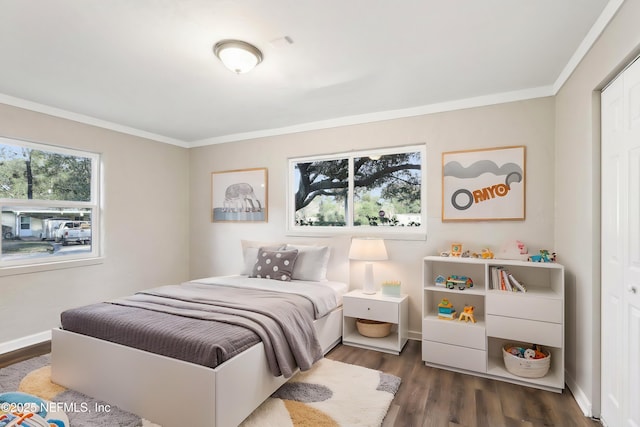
439 398
24 354
433 397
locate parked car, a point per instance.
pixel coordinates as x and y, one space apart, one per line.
50 227
74 231
7 232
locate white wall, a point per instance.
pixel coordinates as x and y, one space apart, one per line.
215 247
145 219
577 214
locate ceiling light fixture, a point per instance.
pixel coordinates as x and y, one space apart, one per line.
238 56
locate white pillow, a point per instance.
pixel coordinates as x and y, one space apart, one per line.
311 263
250 253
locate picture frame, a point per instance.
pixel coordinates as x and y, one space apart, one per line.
484 184
456 249
239 195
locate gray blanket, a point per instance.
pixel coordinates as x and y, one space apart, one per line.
284 322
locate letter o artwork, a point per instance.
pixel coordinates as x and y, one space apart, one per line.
454 199
501 190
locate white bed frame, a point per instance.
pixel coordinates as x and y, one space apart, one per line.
171 392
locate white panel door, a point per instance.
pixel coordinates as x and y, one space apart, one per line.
612 251
632 262
621 250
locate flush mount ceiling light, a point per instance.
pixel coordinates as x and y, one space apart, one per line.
238 56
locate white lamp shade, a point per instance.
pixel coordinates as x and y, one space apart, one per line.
368 250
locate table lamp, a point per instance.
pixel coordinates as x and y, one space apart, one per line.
368 250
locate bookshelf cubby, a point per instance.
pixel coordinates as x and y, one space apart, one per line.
532 317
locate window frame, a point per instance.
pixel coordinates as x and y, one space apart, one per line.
393 232
35 264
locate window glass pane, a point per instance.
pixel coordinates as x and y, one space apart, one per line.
387 190
30 173
321 189
32 232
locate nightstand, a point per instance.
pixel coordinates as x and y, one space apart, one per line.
383 308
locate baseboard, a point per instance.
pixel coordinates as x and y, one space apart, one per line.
413 335
580 397
24 342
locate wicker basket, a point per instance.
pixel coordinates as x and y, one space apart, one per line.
527 368
373 328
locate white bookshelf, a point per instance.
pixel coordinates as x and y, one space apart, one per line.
532 317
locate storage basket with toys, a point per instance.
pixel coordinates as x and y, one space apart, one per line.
526 361
373 328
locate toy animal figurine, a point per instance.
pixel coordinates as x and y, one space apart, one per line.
467 314
486 253
543 257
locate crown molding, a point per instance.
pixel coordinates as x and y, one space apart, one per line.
592 36
594 33
88 120
479 101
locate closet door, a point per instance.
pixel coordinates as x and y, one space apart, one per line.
621 250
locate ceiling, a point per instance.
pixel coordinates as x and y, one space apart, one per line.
146 67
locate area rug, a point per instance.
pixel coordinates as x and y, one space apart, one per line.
330 394
33 378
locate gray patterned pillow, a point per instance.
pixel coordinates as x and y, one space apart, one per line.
276 265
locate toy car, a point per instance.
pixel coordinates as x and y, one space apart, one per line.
462 282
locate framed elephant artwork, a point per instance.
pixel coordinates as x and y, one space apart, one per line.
239 195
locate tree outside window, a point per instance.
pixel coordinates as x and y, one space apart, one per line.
360 190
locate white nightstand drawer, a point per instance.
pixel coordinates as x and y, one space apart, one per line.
522 307
454 332
382 311
529 331
454 356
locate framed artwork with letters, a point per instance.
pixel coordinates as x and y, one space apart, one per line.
485 184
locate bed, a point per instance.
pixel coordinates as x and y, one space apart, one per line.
222 387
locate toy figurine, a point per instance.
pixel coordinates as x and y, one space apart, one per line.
462 282
440 280
543 257
486 253
467 314
446 310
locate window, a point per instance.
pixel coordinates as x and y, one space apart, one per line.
49 203
358 191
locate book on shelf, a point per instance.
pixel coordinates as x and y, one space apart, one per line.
517 285
501 279
506 285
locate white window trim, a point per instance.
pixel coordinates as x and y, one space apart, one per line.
30 265
398 233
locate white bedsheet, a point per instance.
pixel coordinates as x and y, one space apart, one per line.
324 301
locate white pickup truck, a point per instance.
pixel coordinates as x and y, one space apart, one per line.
74 231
